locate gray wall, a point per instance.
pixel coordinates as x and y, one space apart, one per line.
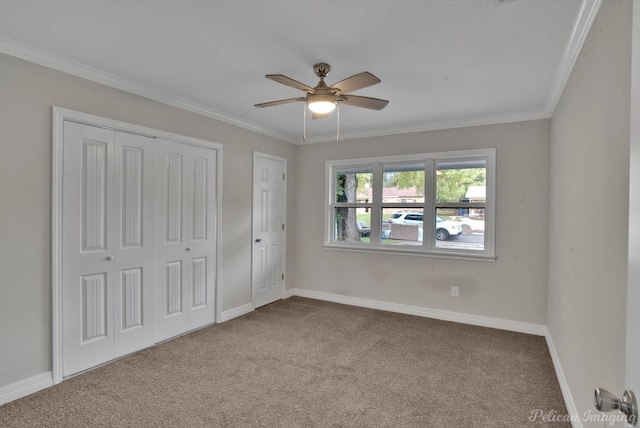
572 170
27 93
512 288
589 210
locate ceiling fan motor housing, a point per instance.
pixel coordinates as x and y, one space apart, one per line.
322 69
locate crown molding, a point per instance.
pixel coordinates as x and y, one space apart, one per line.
581 28
56 62
586 16
435 126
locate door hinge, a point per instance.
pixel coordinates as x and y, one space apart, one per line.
283 177
283 227
283 277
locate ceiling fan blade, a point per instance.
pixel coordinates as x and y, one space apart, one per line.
281 78
277 103
355 82
366 102
315 116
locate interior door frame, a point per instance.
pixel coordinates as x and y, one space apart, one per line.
284 219
60 115
632 357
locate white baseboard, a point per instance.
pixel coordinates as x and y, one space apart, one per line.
236 312
36 383
25 387
572 410
499 323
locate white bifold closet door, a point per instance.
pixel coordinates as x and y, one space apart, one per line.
185 238
138 248
108 245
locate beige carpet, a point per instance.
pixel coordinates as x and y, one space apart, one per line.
306 363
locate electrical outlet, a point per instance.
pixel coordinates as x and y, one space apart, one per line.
455 292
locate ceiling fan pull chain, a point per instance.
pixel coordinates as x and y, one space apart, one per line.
338 123
304 121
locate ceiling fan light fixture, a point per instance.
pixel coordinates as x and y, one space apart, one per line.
322 99
321 103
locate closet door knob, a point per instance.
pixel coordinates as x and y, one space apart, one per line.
109 258
188 248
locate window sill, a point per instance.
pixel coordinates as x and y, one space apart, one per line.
438 254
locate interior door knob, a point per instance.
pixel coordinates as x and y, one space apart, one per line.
258 239
188 248
109 258
607 402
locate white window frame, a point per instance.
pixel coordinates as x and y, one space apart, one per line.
428 247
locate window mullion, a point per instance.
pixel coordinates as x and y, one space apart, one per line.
330 190
376 205
428 228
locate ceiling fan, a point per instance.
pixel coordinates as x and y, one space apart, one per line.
322 99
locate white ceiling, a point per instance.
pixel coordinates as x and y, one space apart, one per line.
443 63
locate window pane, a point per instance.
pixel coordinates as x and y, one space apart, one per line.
402 227
353 185
403 183
461 181
352 224
460 228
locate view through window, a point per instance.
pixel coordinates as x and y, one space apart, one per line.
383 204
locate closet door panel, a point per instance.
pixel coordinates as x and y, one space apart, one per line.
185 247
203 199
133 232
87 248
170 246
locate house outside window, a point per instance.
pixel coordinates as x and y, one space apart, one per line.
382 204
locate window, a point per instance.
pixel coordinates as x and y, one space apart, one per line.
382 204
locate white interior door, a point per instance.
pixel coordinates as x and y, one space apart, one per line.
185 238
107 247
268 230
87 247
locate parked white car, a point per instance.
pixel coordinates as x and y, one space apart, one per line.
471 225
407 217
445 229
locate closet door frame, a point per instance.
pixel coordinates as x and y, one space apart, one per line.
60 115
